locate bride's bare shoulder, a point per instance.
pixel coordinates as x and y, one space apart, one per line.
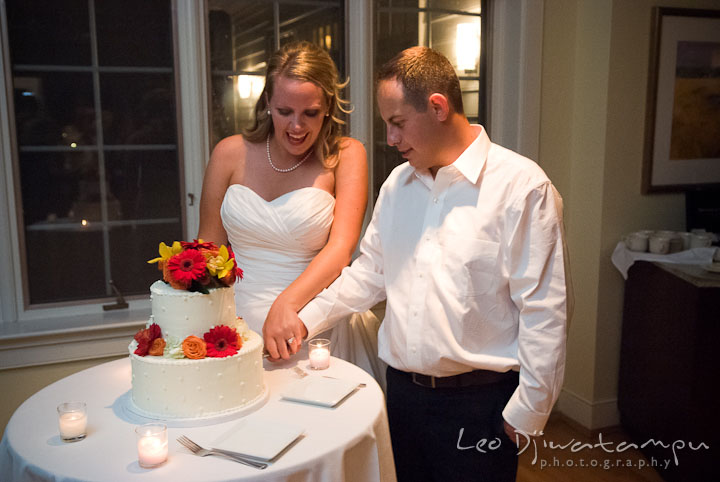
232 147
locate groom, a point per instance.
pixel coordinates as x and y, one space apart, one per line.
466 245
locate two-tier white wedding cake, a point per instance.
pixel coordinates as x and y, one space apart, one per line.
195 359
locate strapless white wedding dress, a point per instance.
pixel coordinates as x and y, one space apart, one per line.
274 241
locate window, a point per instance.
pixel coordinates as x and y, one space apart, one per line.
95 150
455 28
243 34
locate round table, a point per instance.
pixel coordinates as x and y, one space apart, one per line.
348 442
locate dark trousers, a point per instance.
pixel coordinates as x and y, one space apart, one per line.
450 434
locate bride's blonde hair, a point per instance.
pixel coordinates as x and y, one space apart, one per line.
306 62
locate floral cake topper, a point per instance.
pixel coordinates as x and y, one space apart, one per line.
197 266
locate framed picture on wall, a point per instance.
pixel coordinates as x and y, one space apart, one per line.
682 127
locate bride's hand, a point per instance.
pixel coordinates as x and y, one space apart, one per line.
283 331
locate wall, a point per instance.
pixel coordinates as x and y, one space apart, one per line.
595 68
20 383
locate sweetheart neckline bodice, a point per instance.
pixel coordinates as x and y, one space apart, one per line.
284 195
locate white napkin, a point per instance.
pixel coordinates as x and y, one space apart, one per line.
258 438
316 390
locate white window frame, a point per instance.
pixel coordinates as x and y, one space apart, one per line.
514 75
49 335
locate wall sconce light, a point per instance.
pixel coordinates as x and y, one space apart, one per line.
250 86
467 45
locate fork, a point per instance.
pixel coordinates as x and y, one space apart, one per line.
198 450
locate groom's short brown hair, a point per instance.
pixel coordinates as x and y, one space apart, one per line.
423 71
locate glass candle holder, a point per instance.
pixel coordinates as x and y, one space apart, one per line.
72 421
152 444
319 352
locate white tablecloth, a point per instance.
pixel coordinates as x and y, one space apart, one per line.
350 442
623 258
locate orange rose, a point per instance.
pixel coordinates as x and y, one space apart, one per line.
168 277
157 347
194 347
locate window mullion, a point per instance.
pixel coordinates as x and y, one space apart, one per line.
10 295
99 142
193 108
360 47
276 24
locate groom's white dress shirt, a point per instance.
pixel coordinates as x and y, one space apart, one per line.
471 264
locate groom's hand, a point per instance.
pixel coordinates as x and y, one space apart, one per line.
283 333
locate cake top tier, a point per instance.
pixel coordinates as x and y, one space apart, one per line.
181 313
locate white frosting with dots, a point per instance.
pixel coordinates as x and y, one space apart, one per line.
182 313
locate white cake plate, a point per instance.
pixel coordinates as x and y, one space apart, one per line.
137 415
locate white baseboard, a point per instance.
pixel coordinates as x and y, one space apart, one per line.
591 415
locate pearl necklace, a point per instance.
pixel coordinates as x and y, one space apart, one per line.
267 144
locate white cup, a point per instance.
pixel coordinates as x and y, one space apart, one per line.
676 244
700 240
659 244
676 240
685 236
637 241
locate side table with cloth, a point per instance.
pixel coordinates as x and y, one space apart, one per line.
350 442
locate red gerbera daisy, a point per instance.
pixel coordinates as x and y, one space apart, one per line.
187 267
222 341
198 244
145 338
237 271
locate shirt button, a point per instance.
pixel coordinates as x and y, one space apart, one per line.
414 313
414 349
435 200
420 275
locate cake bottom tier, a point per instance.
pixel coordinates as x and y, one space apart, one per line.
167 388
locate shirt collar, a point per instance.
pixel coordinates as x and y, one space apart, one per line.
471 161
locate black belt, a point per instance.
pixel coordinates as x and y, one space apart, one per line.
468 379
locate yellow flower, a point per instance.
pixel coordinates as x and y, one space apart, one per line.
167 252
221 264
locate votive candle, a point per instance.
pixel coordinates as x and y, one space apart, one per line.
72 421
319 353
152 444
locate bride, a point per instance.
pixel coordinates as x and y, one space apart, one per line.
289 196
